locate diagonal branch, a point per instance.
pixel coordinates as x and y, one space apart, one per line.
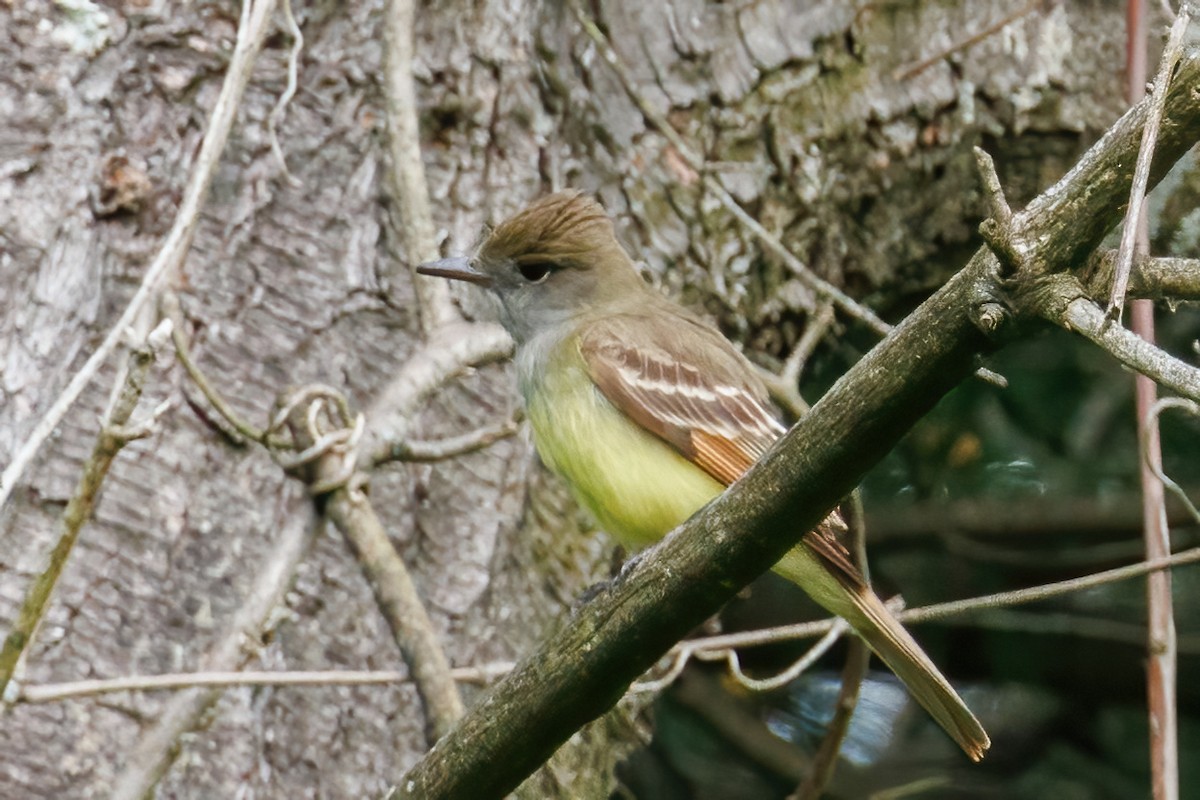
326 436
406 178
1137 193
78 511
585 668
1086 318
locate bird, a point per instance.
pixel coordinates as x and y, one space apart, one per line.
648 412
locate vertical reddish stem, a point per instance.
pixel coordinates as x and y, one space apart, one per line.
1160 678
1135 51
1160 668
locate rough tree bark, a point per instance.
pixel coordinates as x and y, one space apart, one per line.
845 128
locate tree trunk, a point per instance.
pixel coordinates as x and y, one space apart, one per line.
845 129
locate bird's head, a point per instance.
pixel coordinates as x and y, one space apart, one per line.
555 259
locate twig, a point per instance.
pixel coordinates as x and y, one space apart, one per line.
1151 277
1049 590
793 671
1154 412
320 419
56 692
1060 298
453 350
1064 624
1085 317
784 387
1141 172
858 657
406 178
450 447
907 71
1162 645
78 511
1135 239
785 394
718 648
170 307
937 611
997 230
814 332
171 255
289 91
993 191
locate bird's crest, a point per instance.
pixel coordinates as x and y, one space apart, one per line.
566 228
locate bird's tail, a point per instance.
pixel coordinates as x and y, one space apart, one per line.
884 634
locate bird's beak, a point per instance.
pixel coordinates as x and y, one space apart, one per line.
458 268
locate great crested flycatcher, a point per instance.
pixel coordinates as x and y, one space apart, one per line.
649 413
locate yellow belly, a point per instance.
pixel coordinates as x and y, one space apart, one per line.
636 486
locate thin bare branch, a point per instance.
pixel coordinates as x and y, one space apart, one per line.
170 307
1064 624
57 692
785 394
289 91
1162 645
452 351
1085 317
814 332
78 511
1151 277
406 178
1135 240
937 611
174 249
993 192
793 671
909 71
1155 411
319 421
450 447
1141 172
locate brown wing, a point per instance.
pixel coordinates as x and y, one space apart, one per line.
712 414
689 387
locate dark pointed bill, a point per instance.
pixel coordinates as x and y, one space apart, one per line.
457 268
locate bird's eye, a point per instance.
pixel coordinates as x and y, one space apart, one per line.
535 272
